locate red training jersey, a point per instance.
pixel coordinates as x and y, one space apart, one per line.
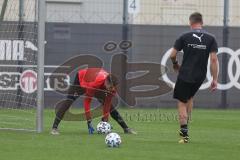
92 80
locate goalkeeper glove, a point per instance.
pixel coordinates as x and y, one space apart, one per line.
90 127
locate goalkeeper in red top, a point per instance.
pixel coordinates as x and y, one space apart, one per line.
93 82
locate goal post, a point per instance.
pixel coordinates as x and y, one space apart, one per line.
22 40
40 64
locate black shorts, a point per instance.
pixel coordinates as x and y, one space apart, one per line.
184 91
75 89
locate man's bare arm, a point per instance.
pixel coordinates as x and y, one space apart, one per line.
173 57
214 69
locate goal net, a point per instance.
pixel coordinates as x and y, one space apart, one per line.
18 61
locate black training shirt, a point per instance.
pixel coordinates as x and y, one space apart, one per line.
196 45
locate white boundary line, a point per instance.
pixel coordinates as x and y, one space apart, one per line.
18 129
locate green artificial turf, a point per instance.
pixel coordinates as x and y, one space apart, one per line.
214 135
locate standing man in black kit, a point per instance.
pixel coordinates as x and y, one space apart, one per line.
197 46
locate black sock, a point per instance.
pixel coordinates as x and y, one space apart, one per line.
184 129
56 122
89 121
103 119
60 111
117 117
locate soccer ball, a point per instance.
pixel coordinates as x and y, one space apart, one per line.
103 128
113 140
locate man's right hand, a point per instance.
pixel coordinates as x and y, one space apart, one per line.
213 86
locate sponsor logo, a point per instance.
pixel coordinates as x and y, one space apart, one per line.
197 46
27 81
14 50
198 37
233 73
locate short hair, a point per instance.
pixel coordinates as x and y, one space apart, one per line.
112 79
196 17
